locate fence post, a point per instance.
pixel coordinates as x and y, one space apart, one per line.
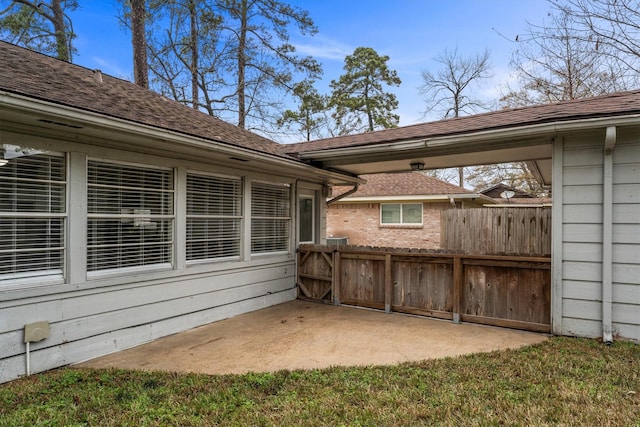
388 285
457 288
335 277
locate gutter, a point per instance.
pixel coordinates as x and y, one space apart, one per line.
343 195
418 198
607 237
515 132
33 108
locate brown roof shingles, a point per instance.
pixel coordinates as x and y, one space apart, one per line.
39 76
621 103
402 184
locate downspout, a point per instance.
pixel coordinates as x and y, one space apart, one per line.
343 195
607 236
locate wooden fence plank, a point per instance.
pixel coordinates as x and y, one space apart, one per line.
388 284
457 288
522 231
511 291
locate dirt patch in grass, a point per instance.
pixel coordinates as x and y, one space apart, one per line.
561 381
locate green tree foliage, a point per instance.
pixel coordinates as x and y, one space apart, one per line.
447 89
43 26
310 116
257 34
186 59
359 100
230 58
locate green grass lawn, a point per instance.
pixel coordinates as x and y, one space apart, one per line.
562 381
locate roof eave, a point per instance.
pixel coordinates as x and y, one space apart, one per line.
37 107
417 198
474 138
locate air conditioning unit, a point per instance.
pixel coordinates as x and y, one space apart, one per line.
337 241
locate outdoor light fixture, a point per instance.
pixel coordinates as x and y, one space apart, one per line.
417 166
3 162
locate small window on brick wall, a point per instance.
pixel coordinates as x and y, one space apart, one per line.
401 213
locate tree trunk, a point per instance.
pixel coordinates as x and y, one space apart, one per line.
369 112
242 63
62 41
139 42
194 53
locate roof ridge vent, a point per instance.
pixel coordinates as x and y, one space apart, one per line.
97 75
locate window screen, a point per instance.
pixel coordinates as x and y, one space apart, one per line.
214 215
270 217
32 214
130 216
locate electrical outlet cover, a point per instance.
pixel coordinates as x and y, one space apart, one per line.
34 332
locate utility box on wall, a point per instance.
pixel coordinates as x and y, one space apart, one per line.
337 241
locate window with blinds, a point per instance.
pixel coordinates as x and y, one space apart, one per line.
130 216
270 217
32 214
214 217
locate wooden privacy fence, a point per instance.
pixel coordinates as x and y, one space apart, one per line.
494 290
508 231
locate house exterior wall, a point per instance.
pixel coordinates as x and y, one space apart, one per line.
92 315
581 272
360 223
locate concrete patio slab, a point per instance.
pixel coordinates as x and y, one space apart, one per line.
303 335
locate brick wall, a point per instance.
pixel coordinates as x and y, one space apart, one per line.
360 222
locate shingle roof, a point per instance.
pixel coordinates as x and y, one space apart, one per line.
402 184
616 104
39 76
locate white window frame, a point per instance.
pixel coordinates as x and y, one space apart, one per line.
50 274
402 222
307 195
260 217
136 217
192 218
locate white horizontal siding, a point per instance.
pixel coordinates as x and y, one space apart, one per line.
109 342
580 290
585 233
581 327
582 271
585 252
94 316
582 214
582 227
88 324
626 236
85 316
628 330
80 304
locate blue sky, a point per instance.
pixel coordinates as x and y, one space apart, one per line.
410 32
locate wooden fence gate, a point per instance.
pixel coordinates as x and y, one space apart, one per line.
510 291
